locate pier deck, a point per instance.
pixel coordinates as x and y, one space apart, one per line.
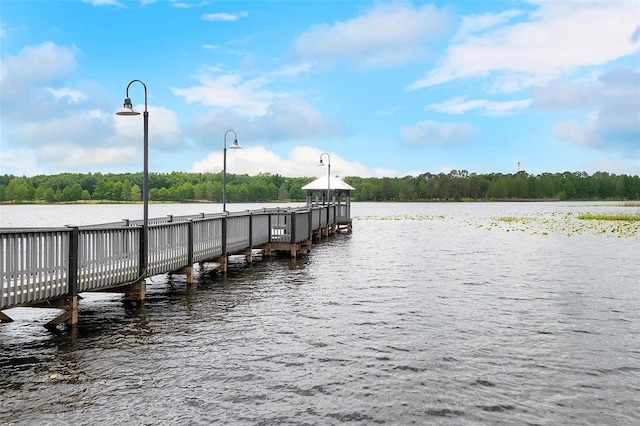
51 266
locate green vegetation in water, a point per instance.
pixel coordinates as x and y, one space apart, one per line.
624 217
541 224
569 224
419 217
509 219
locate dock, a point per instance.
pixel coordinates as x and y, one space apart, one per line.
50 267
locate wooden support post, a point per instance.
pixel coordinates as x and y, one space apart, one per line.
248 255
5 318
134 292
285 247
222 264
186 270
70 314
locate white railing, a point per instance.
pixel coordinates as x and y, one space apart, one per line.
107 257
41 264
33 265
168 247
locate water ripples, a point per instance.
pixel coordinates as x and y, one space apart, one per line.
398 323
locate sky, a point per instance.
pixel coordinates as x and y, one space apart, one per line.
384 88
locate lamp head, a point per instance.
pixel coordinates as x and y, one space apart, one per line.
235 145
127 108
320 163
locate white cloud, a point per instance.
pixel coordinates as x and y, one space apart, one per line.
386 112
622 166
76 127
103 3
91 139
164 130
295 118
573 131
459 105
72 96
302 161
389 34
558 38
19 162
436 133
613 122
292 70
245 97
562 93
475 23
187 5
228 17
247 105
49 120
285 119
21 72
236 92
70 156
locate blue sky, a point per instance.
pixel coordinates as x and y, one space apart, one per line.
386 88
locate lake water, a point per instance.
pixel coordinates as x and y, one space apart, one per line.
435 313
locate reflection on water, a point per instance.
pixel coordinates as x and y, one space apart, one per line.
429 321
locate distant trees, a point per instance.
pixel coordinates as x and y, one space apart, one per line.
127 187
453 186
462 185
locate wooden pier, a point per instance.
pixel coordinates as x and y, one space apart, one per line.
50 267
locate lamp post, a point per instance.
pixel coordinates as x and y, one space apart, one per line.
234 145
328 172
127 109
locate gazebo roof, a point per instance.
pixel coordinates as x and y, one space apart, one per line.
320 184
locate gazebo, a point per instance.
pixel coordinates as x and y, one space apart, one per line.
337 194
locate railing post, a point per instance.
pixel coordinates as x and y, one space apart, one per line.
142 265
70 304
293 228
74 236
270 229
224 242
328 217
190 243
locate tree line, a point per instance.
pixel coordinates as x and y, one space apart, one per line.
461 185
457 185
